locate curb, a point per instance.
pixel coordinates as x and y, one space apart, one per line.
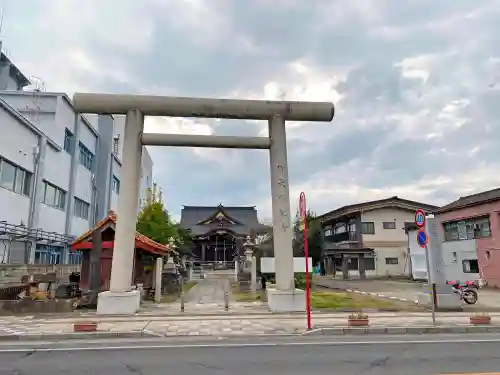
122 335
336 331
76 336
381 296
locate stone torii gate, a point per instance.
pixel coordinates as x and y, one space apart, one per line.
120 299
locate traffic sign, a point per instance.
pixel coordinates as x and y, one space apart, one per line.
422 238
420 218
302 211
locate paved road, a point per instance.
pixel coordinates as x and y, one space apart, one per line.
208 291
370 356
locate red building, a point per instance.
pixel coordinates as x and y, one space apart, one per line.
146 252
474 218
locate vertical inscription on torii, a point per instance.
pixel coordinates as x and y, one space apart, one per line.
282 186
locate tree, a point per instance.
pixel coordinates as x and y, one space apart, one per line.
154 222
314 237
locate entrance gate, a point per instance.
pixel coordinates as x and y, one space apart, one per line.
120 299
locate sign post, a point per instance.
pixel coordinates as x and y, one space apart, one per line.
303 227
422 240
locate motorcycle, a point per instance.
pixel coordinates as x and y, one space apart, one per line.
467 291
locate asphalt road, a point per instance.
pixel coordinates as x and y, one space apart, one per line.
409 355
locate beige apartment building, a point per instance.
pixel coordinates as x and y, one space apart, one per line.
369 239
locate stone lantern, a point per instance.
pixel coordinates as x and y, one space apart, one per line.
251 262
249 247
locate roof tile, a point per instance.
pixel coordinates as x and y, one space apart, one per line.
111 218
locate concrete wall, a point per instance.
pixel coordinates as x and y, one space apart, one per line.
488 249
12 273
388 244
17 144
454 253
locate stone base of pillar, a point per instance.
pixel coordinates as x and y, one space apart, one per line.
118 303
286 300
445 301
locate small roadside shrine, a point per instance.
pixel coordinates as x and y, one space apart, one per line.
146 253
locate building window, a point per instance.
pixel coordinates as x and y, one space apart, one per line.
368 227
46 254
81 209
392 261
369 264
351 227
75 257
467 229
69 140
14 178
86 157
389 224
470 266
53 196
340 228
115 185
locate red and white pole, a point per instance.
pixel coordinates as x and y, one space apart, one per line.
303 223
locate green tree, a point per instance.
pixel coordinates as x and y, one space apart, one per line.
314 237
154 222
183 240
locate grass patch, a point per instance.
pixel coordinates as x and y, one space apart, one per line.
249 297
189 285
328 299
342 300
240 296
173 297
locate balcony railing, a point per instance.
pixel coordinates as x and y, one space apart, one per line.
345 240
341 237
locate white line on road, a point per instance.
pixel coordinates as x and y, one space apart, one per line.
246 345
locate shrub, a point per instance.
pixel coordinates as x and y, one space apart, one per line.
300 280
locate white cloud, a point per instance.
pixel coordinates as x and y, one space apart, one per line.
415 87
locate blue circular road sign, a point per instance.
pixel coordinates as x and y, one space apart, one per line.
422 238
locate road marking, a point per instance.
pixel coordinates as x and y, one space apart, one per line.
475 373
247 345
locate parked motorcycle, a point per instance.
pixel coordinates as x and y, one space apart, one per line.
467 291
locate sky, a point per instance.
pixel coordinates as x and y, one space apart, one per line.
416 86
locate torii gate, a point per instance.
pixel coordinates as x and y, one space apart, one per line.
120 299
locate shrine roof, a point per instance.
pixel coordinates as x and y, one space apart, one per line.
241 220
111 219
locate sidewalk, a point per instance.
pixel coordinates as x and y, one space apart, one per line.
221 326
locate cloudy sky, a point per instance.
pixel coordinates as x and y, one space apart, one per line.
415 84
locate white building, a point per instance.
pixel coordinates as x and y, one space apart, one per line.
455 255
59 172
369 236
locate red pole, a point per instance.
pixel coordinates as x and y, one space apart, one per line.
303 214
